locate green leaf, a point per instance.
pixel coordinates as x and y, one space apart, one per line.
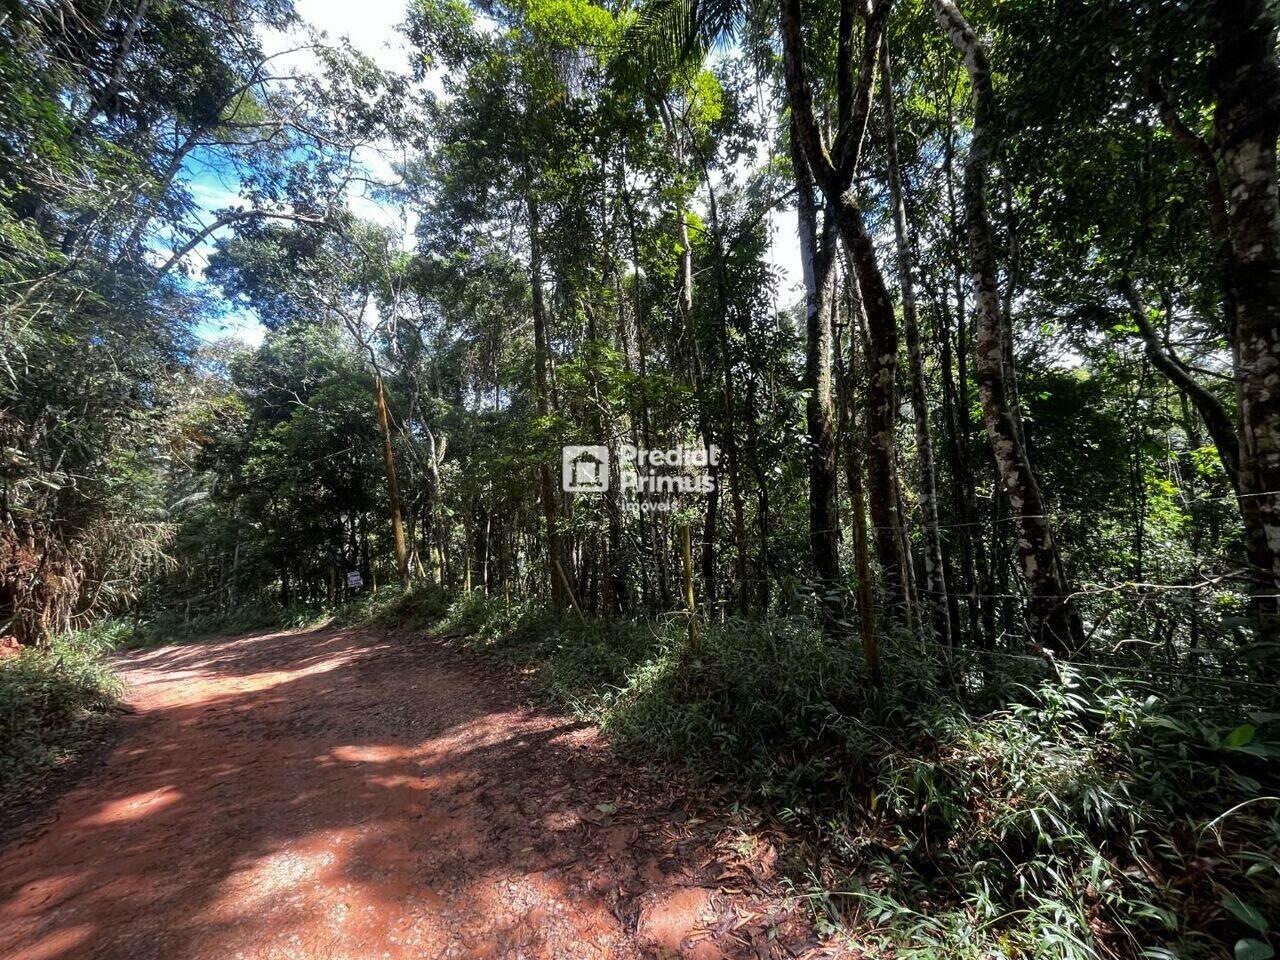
1241 735
1250 949
1167 722
1245 913
1264 750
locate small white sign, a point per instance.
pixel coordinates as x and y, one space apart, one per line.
354 580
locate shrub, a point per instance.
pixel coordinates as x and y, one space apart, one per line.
420 606
960 810
53 700
1087 817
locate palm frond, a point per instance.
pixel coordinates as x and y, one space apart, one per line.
671 33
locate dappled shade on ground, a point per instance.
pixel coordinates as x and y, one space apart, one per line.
341 793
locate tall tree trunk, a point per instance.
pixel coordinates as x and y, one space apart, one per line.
433 521
686 555
763 563
648 522
393 485
1051 616
934 571
729 432
851 444
982 601
882 406
1246 81
834 173
817 260
561 592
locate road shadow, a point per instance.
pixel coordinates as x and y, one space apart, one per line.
341 793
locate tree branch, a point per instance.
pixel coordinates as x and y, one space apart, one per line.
1210 408
234 216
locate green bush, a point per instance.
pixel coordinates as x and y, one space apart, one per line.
418 607
986 809
53 700
578 663
1086 817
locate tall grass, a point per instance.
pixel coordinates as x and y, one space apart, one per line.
53 700
988 810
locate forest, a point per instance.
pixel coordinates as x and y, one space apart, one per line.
870 408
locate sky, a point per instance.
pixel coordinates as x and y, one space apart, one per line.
371 27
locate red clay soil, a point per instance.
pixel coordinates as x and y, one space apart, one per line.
352 794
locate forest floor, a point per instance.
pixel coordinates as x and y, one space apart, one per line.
352 793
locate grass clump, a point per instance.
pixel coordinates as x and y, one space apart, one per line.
982 809
54 701
419 607
1083 817
577 663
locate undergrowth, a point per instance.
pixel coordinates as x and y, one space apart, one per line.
418 608
966 811
388 607
154 630
54 700
976 809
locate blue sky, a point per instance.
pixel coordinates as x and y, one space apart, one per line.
370 25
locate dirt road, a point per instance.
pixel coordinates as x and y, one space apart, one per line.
350 794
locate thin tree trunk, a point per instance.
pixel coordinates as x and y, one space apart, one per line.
965 430
817 260
911 597
1051 616
561 592
393 485
686 552
434 524
934 570
729 433
852 444
882 406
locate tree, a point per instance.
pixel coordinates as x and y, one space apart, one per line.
834 170
347 275
1245 77
1052 619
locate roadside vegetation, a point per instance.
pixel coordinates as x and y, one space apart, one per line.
968 804
967 310
56 702
968 807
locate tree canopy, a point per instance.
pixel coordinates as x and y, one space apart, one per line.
977 308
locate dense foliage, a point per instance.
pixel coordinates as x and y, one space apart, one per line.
981 586
53 701
1018 817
